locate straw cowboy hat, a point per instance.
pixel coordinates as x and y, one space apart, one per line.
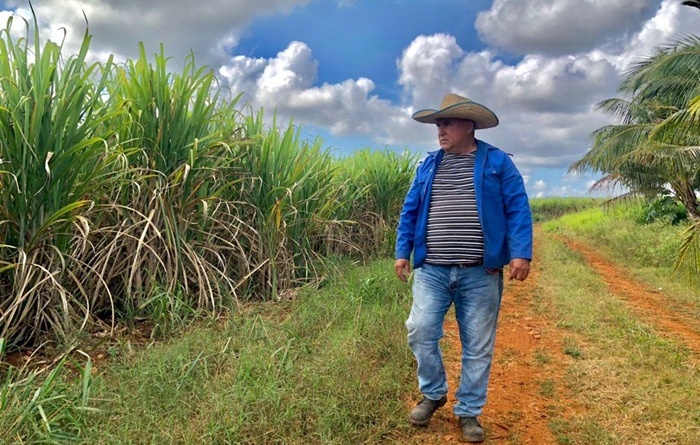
458 107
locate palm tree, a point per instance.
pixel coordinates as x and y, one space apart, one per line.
689 255
657 145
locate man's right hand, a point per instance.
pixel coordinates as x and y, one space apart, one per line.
403 269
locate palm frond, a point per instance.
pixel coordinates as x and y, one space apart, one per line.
691 3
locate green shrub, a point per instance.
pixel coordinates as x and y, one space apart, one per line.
664 208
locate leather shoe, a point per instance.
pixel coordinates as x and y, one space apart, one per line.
425 409
472 430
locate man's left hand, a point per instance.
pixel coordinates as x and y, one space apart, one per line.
519 269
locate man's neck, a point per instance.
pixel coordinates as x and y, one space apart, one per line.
467 148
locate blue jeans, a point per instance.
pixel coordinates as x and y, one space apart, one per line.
477 298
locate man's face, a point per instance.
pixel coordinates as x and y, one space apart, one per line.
455 135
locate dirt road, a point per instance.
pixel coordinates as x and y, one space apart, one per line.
515 412
529 362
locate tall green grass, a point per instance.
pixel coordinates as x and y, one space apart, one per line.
130 190
374 185
170 224
54 150
292 198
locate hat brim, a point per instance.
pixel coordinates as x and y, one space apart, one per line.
479 114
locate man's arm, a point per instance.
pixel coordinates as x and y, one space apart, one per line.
406 230
518 221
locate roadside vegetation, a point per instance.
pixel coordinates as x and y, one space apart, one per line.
330 365
545 209
629 381
139 204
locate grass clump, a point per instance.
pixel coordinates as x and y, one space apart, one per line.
53 155
374 185
47 404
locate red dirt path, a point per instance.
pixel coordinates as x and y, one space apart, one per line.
649 304
526 389
515 412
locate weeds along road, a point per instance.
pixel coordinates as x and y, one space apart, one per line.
529 391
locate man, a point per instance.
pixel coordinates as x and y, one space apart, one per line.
465 216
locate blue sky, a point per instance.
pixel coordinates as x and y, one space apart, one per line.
353 71
367 35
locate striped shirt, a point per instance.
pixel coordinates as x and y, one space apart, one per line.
454 231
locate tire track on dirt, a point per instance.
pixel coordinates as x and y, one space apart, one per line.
528 355
649 304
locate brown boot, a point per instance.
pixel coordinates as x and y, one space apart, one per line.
425 409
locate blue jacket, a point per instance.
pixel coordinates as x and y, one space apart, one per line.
501 201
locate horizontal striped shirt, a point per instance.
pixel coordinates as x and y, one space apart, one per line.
454 230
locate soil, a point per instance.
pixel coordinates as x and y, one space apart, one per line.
527 388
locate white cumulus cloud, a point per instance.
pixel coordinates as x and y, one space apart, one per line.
562 26
286 84
209 29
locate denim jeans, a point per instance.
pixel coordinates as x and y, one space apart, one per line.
477 297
